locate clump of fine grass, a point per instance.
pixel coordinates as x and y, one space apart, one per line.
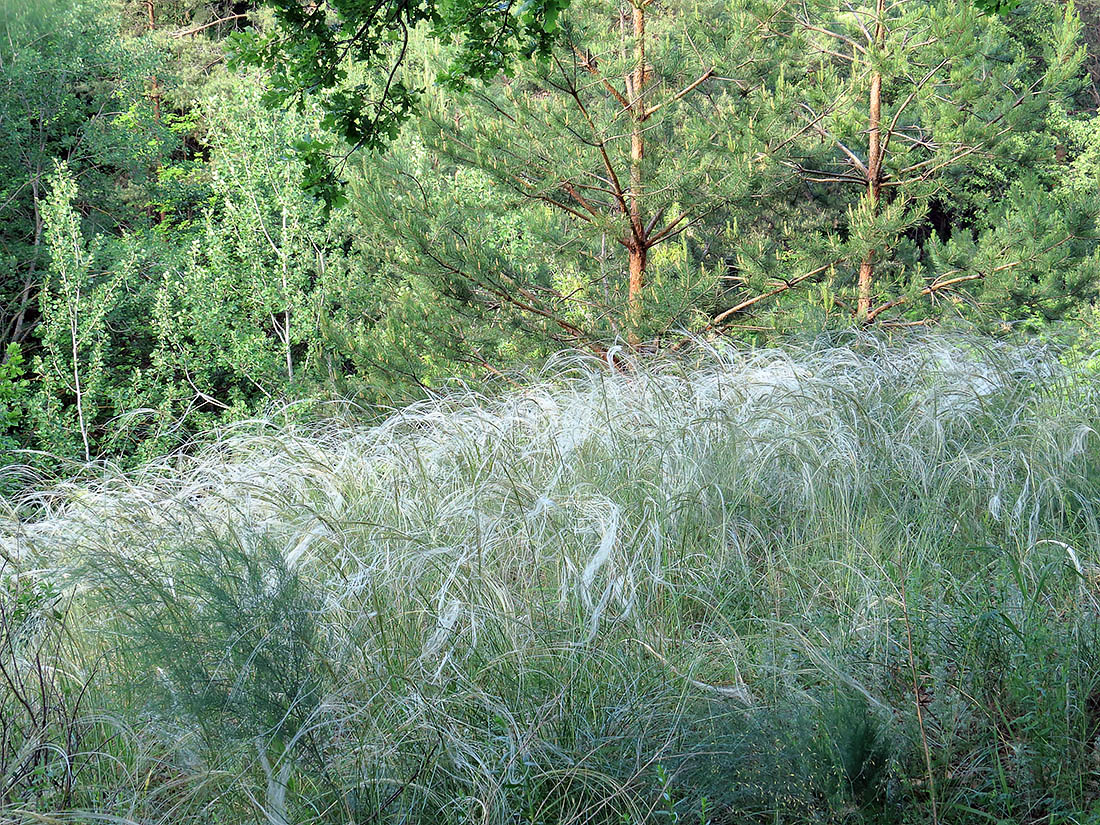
846 580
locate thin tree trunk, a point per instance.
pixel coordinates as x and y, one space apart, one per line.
74 337
874 171
154 91
29 280
286 297
154 95
637 246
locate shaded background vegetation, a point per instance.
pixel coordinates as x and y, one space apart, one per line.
163 268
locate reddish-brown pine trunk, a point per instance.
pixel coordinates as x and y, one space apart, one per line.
638 256
874 173
637 245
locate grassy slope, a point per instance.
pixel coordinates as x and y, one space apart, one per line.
841 582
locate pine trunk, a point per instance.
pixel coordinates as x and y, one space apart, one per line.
637 246
638 255
874 173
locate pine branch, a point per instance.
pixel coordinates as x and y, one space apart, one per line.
938 285
815 124
907 101
204 26
588 64
720 318
691 87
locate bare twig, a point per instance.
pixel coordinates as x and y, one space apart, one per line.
204 26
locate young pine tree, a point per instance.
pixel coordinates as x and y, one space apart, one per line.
931 126
631 151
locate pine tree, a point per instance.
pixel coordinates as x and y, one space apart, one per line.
632 145
917 106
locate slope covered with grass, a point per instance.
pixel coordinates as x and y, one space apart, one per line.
849 581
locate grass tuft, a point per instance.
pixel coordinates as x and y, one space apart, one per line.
848 580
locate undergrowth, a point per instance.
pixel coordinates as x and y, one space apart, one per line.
852 581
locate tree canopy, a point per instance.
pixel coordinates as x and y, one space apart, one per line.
350 53
608 174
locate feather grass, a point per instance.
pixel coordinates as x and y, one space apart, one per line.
845 579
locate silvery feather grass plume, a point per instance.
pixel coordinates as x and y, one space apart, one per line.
538 597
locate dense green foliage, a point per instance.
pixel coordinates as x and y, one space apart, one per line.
308 52
637 173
